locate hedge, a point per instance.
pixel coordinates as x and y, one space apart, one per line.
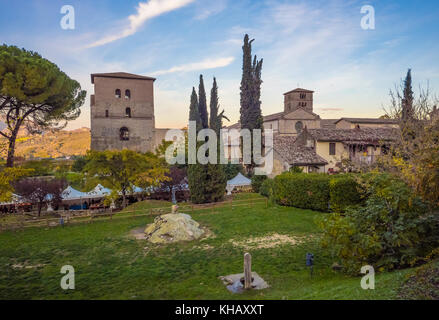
306 191
257 181
343 190
266 188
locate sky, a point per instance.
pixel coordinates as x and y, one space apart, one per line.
317 45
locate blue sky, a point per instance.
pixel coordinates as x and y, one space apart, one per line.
318 45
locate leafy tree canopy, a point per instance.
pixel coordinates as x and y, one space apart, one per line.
7 177
34 94
122 170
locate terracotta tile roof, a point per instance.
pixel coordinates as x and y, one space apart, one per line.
270 117
296 154
328 123
234 126
369 120
122 75
274 116
361 135
280 115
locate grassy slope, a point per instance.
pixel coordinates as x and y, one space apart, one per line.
109 264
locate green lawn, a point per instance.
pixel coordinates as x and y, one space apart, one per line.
111 265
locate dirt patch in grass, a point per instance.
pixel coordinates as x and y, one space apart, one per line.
138 233
203 247
269 241
26 265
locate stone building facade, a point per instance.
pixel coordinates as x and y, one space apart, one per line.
303 139
122 113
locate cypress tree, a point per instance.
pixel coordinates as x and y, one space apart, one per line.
202 104
250 111
217 180
407 100
194 113
197 173
215 121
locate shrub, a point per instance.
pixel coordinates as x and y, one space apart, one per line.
343 190
307 191
295 169
257 181
389 231
266 188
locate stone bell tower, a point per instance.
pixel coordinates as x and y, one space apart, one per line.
298 98
122 112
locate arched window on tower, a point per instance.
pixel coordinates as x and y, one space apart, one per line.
127 94
128 112
107 114
299 126
124 134
118 94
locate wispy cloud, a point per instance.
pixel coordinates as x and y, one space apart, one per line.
210 8
145 11
202 65
330 109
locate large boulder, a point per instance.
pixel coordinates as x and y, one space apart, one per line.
173 227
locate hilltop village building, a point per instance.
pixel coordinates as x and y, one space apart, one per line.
122 117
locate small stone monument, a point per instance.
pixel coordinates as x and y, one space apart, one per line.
247 271
238 283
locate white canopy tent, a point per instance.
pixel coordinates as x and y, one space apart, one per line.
15 199
72 194
98 192
238 181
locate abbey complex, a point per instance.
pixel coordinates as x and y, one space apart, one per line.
122 117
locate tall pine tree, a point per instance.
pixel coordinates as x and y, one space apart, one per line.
251 114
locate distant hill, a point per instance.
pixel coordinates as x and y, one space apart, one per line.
52 145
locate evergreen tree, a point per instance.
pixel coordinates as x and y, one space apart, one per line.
197 173
407 100
194 113
215 121
216 176
34 94
251 114
207 183
202 104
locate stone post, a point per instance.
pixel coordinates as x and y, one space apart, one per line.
247 271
